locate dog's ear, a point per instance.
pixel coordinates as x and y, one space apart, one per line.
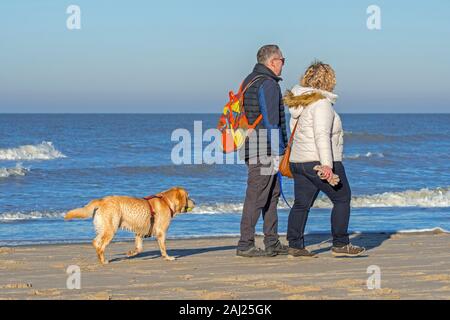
181 196
185 197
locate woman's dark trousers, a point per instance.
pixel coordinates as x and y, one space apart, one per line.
307 186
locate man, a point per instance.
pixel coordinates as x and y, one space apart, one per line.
262 149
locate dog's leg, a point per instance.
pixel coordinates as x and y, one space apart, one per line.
161 237
97 245
138 248
103 241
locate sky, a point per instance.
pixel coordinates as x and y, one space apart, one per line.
184 56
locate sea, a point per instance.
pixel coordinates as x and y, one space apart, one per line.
398 166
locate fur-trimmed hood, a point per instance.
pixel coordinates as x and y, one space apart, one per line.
300 97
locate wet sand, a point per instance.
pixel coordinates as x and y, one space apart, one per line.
413 266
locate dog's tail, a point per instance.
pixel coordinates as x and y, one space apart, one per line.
85 212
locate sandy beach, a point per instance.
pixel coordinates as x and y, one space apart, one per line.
413 266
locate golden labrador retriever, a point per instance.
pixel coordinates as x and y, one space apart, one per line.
145 217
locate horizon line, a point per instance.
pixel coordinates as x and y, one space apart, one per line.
187 113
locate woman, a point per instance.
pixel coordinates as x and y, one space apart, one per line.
318 140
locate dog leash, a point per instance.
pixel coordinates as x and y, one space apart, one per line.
281 189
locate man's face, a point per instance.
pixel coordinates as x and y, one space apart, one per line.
276 63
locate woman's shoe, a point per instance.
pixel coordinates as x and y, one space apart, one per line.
294 252
348 250
254 252
278 249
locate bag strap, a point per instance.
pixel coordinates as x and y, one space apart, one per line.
241 95
242 92
291 139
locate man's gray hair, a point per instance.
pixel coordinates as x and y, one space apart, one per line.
266 52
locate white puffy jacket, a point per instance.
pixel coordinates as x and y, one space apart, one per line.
319 135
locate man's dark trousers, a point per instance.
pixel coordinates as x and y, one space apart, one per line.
263 191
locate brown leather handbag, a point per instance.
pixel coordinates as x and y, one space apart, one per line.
284 168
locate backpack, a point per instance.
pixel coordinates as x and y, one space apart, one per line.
233 123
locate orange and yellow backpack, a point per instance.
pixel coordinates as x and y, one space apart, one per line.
233 123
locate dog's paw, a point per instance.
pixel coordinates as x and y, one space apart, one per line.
169 258
132 253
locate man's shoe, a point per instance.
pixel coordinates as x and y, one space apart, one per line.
347 251
294 252
278 249
254 252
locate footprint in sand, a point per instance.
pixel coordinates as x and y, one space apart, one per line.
16 286
7 250
436 277
103 295
46 293
216 295
349 283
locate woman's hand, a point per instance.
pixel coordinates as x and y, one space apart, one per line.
327 172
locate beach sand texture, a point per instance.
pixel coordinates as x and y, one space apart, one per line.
413 266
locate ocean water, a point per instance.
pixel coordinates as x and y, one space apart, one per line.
398 166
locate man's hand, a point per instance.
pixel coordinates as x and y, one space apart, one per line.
276 163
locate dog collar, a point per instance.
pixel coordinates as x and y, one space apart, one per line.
159 196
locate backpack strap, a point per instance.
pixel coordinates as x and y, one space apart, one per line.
257 121
258 77
242 92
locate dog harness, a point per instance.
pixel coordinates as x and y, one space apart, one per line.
152 211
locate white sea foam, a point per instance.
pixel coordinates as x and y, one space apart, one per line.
366 155
436 230
14 216
10 172
424 198
42 151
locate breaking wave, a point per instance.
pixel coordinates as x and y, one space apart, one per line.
14 216
437 230
10 172
366 155
424 198
42 151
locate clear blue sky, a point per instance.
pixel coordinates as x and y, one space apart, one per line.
184 56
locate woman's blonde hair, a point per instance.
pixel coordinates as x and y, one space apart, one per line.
319 75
